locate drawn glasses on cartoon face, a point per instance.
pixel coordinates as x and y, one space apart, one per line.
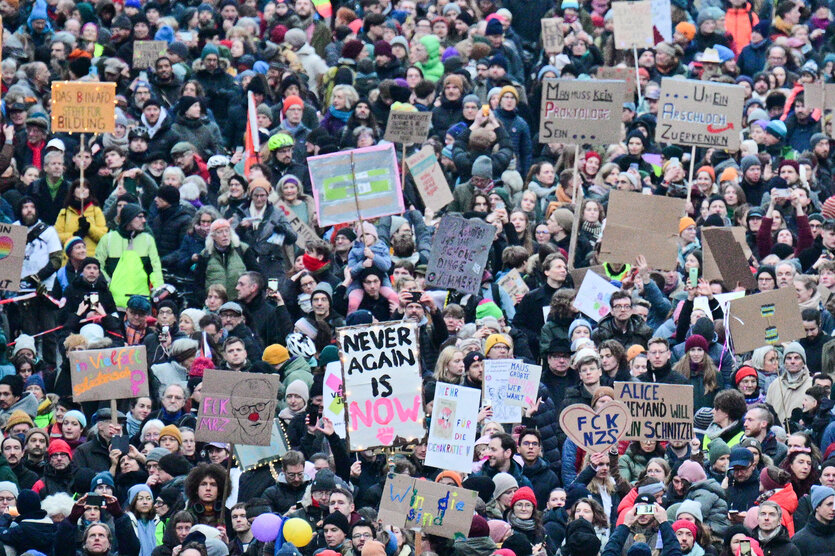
255 416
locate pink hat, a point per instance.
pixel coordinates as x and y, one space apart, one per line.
498 529
692 472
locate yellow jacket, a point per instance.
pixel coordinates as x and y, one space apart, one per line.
67 224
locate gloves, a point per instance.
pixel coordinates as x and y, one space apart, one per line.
83 227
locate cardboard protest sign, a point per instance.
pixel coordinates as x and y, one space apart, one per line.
146 53
595 431
453 430
662 19
766 318
620 74
494 390
552 36
408 127
579 112
333 397
237 408
727 257
579 274
250 457
513 284
88 107
633 24
429 178
459 253
523 384
592 298
642 225
304 233
658 411
383 387
819 95
109 374
700 113
12 252
359 183
433 508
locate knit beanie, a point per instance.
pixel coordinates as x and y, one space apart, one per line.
373 548
483 167
503 482
581 539
275 354
684 524
173 431
777 129
487 308
494 339
687 29
576 323
817 138
524 493
8 486
72 242
717 448
685 223
454 475
828 208
339 520
694 341
175 465
794 347
59 446
819 494
768 482
691 472
691 507
136 489
169 194
18 417
299 388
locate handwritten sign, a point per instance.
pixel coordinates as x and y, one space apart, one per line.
83 107
523 384
408 127
453 430
433 508
12 253
633 24
146 53
250 457
429 178
238 408
592 298
333 397
552 36
766 318
700 113
658 411
304 233
513 284
109 374
459 254
595 431
620 74
580 112
495 387
381 368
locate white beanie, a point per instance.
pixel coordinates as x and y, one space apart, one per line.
195 315
24 341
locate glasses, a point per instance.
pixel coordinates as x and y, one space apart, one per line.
160 503
165 312
622 307
501 347
294 475
360 536
530 444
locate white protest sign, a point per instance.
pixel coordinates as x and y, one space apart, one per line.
494 385
452 433
523 384
592 298
661 18
724 300
333 406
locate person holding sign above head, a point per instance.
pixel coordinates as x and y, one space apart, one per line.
587 363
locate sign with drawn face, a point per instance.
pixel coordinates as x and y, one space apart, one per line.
452 433
237 408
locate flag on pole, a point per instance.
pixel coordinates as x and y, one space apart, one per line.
252 143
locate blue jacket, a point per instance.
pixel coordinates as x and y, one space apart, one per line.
753 57
520 137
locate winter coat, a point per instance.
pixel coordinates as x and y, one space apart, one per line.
33 533
520 138
781 545
622 534
224 267
816 538
93 454
446 115
632 463
432 68
47 205
543 479
169 227
55 481
203 133
711 496
313 65
464 156
784 397
585 478
637 332
282 496
138 273
741 495
546 420
67 225
529 318
263 239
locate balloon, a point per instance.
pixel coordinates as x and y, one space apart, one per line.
297 531
265 527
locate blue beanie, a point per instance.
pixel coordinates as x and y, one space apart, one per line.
103 478
165 33
261 67
136 489
819 494
776 128
78 416
35 380
38 12
579 322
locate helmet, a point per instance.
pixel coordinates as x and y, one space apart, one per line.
279 141
139 132
217 161
300 345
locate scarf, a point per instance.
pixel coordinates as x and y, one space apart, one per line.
288 414
782 26
765 537
562 196
37 154
813 302
287 126
255 213
133 424
596 229
313 264
146 531
109 140
521 524
134 335
153 129
341 115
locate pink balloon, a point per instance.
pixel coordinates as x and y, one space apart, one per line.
265 527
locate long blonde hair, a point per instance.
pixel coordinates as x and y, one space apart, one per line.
441 373
709 371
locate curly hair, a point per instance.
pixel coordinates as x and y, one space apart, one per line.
196 475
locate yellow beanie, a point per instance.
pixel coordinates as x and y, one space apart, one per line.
17 417
509 89
685 223
171 430
494 339
276 354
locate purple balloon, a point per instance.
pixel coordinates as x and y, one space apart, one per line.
265 527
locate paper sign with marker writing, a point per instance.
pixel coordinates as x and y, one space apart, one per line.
333 397
12 253
459 253
595 430
304 233
622 74
699 113
433 508
766 318
83 107
513 284
109 374
523 384
146 53
453 430
552 36
408 127
633 24
658 411
238 408
592 298
580 112
383 388
429 178
495 388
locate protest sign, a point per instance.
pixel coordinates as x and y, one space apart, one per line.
700 113
12 253
552 36
724 299
579 112
642 225
432 508
250 457
109 374
304 233
408 127
513 284
494 390
523 384
595 430
459 253
453 430
579 274
728 261
662 19
633 24
333 397
819 95
146 53
620 74
766 318
429 178
83 107
592 298
356 184
237 408
383 388
658 411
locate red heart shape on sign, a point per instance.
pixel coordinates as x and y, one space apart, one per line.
595 431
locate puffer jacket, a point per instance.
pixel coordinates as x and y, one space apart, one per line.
169 227
432 68
816 538
543 479
202 132
67 225
546 420
711 496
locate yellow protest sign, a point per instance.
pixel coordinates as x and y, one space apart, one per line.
88 107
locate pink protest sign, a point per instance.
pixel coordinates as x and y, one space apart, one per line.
109 374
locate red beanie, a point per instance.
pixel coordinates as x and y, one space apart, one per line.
695 340
59 446
684 524
743 372
291 101
828 209
593 154
524 493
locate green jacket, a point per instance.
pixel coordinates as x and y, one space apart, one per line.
132 265
432 68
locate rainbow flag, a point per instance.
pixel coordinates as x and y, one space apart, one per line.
323 8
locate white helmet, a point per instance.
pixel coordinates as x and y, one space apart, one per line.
300 345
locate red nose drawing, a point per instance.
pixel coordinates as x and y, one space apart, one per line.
253 417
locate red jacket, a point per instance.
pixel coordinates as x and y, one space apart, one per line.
739 22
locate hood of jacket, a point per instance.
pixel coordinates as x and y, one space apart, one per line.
476 546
